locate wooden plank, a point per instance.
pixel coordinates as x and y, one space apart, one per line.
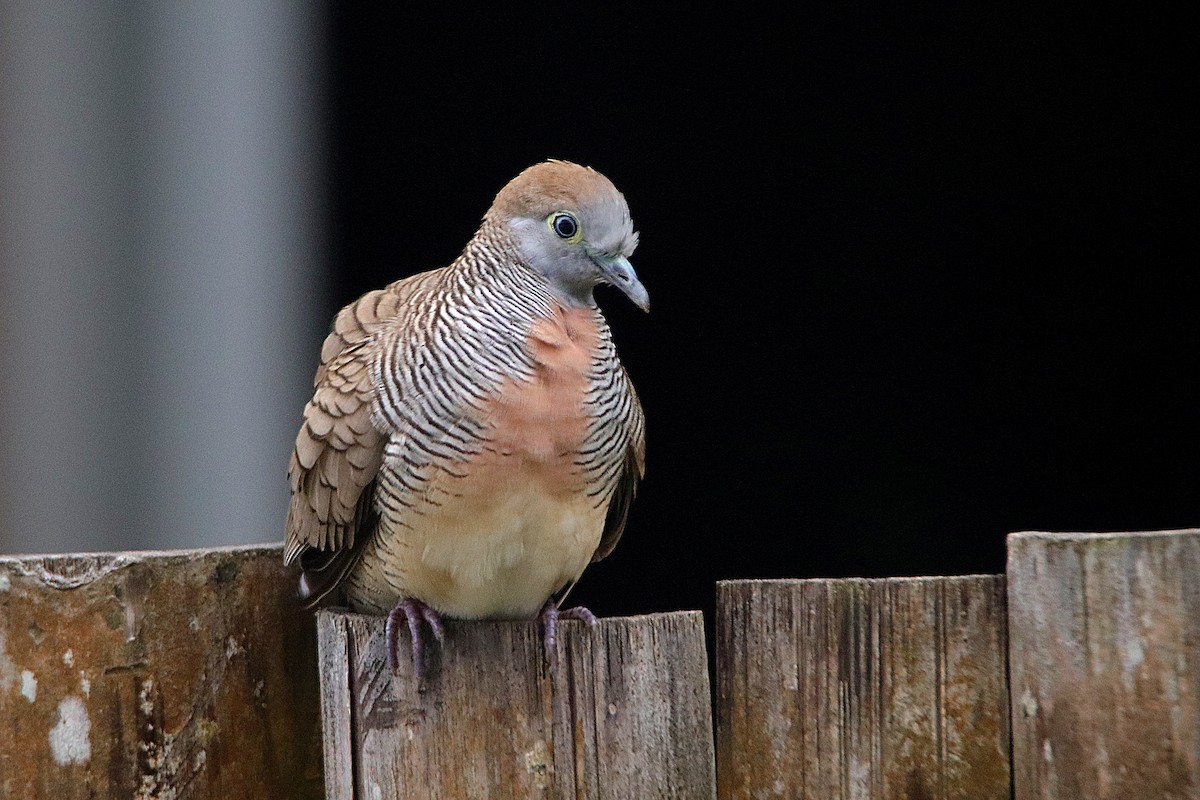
333 652
862 689
188 674
1105 659
625 712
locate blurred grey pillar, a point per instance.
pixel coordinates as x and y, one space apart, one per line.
160 253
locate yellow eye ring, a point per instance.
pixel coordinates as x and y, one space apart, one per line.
565 226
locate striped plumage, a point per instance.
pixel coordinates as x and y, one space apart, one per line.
473 442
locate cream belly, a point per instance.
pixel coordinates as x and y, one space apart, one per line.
497 554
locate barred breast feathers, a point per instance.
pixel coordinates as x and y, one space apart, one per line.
484 326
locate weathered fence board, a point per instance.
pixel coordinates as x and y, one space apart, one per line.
1105 659
188 674
862 689
624 713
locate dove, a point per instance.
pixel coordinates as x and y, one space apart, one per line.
473 442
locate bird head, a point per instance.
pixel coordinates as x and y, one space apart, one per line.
571 225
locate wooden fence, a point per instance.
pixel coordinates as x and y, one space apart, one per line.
191 675
177 675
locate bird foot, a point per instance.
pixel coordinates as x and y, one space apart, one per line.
550 615
414 612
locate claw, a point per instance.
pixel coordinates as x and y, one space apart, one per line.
414 612
434 621
550 615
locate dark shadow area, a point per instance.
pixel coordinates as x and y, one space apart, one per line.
918 279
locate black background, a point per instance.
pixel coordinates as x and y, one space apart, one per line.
919 278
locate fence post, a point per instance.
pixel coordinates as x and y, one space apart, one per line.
186 674
624 713
890 688
1105 659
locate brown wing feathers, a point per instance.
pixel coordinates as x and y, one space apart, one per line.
338 451
622 499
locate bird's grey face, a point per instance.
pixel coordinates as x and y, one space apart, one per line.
576 248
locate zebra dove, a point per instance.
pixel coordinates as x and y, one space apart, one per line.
473 441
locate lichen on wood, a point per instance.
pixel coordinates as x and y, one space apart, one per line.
186 674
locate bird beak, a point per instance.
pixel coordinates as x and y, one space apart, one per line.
618 272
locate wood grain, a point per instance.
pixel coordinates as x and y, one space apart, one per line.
862 689
624 713
1105 658
188 674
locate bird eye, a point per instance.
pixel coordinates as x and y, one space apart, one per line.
564 225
